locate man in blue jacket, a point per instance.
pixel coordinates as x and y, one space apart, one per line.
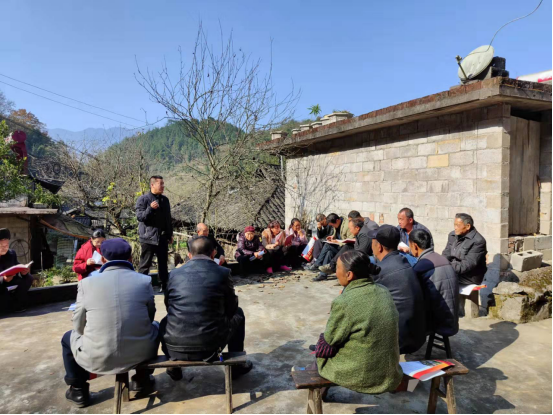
202 311
155 229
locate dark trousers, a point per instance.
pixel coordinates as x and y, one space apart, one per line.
293 254
317 248
75 375
235 340
161 251
16 299
257 265
277 257
327 254
345 248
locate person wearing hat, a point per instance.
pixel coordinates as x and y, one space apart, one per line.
113 325
12 299
398 276
250 253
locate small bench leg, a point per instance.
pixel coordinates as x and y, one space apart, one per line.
121 393
473 298
433 398
314 402
447 347
429 346
450 395
228 388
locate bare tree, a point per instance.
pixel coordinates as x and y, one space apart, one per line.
222 101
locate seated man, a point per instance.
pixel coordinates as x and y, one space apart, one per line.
202 311
359 349
397 275
329 251
466 251
323 230
13 289
406 223
363 243
369 223
203 230
439 283
113 325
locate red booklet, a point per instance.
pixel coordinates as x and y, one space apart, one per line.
16 269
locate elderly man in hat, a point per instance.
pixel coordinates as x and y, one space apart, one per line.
13 288
113 325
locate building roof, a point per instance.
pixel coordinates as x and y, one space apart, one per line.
26 211
257 205
522 95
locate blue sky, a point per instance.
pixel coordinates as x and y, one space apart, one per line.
352 55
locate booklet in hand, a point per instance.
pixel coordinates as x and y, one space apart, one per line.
97 257
16 269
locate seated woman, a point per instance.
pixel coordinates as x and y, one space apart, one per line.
273 240
251 254
84 264
296 241
359 349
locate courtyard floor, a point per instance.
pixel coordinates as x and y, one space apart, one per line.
510 365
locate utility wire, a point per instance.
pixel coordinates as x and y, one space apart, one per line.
72 99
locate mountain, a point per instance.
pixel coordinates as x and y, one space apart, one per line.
110 135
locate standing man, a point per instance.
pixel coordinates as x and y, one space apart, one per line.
155 229
203 230
466 251
13 289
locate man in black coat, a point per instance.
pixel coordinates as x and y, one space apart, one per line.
397 275
202 311
13 289
155 229
466 251
439 284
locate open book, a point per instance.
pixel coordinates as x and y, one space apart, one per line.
16 269
342 241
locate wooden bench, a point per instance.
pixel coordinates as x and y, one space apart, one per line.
310 379
161 362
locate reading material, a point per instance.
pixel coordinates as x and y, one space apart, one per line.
216 260
97 257
425 369
16 269
341 241
12 287
402 245
260 253
467 289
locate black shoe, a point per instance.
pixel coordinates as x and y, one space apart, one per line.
312 347
79 396
174 373
142 385
320 277
19 310
238 371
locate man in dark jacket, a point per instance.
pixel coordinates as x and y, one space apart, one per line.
439 284
14 288
466 251
202 311
397 275
203 230
155 229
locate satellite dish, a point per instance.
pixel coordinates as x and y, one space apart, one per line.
475 62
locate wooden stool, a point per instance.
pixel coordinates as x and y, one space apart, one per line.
432 343
311 380
474 299
229 360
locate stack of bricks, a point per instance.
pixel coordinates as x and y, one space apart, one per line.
436 166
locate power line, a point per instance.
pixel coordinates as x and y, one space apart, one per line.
72 99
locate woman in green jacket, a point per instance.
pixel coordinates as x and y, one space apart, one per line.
359 349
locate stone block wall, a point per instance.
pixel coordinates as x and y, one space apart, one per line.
437 167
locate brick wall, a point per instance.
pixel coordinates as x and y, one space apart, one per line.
19 229
438 167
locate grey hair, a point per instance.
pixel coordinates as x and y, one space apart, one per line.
466 218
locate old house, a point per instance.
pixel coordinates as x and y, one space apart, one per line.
483 148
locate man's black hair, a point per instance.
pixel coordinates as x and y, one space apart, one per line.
421 238
332 218
200 245
354 214
359 263
408 213
466 218
358 223
154 178
98 233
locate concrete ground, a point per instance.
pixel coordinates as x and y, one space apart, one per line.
510 365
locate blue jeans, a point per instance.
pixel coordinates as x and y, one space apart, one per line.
410 258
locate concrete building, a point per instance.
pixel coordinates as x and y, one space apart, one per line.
483 148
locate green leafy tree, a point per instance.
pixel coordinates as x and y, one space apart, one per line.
315 110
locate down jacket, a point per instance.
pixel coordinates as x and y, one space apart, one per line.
79 265
440 288
467 254
399 278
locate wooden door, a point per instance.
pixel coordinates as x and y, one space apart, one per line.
524 177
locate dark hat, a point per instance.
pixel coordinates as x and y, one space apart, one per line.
116 249
387 235
5 233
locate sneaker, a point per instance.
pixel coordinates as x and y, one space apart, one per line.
239 371
269 270
321 277
327 269
310 267
285 268
79 396
142 385
174 373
